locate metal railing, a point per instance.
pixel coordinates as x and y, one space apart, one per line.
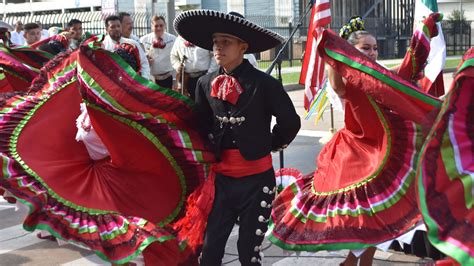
92 21
457 35
393 42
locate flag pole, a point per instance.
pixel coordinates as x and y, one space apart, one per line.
277 62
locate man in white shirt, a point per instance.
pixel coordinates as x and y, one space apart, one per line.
44 32
114 38
32 33
17 35
74 27
127 26
158 45
197 62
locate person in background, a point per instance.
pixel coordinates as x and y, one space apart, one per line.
74 27
114 38
252 60
44 32
54 30
158 45
191 60
5 34
342 204
17 37
127 26
32 33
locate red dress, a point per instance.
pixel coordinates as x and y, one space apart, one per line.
446 170
120 205
363 191
18 67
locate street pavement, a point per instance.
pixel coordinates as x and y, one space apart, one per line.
18 247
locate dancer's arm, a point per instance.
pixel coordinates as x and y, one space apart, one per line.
336 81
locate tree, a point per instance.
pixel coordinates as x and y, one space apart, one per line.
458 21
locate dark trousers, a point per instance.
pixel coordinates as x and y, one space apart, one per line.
239 198
192 82
165 83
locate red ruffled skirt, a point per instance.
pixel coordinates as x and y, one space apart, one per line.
121 204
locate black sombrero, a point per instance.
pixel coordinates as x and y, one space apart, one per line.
198 26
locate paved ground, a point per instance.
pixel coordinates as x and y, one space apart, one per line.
18 247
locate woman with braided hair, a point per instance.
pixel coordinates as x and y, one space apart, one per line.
362 194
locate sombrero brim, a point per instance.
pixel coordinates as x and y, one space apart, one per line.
198 26
6 25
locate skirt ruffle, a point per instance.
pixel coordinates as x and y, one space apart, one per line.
375 210
446 170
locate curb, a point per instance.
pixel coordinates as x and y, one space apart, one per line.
293 87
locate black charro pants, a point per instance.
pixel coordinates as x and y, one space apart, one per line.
239 197
165 83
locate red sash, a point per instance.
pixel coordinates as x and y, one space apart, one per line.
234 165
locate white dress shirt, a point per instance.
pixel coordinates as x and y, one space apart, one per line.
109 44
17 37
197 59
134 37
44 34
161 63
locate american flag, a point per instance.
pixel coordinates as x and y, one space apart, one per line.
312 71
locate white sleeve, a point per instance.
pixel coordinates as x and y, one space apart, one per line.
94 145
143 41
145 66
174 55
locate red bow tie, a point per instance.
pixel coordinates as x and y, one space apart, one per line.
226 88
188 44
160 44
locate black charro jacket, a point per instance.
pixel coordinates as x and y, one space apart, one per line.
263 97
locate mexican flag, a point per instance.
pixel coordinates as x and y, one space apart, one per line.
433 80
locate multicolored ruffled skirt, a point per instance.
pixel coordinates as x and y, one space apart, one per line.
119 205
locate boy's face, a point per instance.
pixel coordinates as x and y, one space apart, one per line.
228 49
32 36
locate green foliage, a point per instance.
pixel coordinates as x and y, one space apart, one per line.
456 15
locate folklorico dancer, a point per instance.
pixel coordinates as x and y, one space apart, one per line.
235 105
158 45
446 170
103 196
363 192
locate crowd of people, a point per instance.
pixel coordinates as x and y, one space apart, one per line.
172 141
163 57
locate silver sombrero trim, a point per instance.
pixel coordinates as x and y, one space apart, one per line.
229 17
